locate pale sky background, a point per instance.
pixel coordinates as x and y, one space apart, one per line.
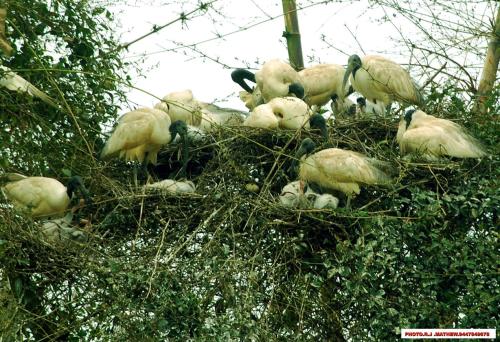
168 67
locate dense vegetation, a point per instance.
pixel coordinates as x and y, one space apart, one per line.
228 263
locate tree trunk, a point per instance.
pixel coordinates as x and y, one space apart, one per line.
490 68
292 34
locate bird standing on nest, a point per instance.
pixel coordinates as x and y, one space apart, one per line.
433 138
141 133
42 196
381 80
340 170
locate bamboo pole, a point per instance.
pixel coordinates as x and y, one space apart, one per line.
488 76
292 34
4 44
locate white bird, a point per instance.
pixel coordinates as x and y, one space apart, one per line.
381 80
283 112
213 116
251 99
181 105
141 133
368 109
432 138
343 108
322 83
298 195
14 82
316 85
292 195
276 78
340 170
41 196
324 201
172 186
61 230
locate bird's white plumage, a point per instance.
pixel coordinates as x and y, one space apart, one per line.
61 230
14 82
251 100
370 110
172 186
293 196
321 82
341 107
283 112
342 170
181 105
382 80
213 116
139 135
432 138
325 201
37 196
275 78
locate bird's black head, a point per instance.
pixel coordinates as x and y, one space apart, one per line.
355 62
178 127
408 116
297 89
361 101
240 75
76 183
334 97
317 121
306 147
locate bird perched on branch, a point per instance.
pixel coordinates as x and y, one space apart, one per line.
341 170
381 80
42 196
141 133
432 138
14 82
283 112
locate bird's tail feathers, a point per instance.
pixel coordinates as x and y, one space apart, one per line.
11 177
384 171
14 82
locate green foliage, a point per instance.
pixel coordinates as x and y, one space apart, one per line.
67 49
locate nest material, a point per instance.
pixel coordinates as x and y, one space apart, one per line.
161 234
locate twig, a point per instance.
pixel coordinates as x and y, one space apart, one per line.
356 39
426 83
182 17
